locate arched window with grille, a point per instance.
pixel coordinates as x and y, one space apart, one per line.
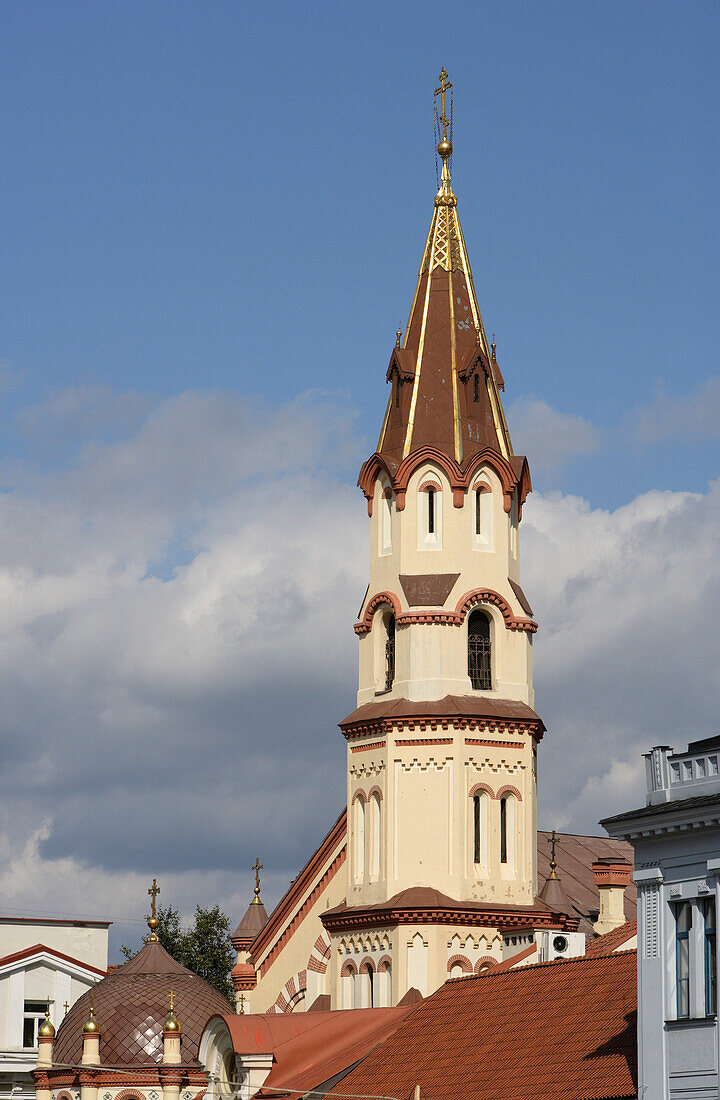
390 653
479 651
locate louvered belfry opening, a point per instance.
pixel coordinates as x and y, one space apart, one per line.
479 653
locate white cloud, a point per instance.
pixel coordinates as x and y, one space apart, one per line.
176 648
626 602
550 436
689 416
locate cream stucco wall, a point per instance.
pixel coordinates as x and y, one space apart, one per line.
84 941
426 815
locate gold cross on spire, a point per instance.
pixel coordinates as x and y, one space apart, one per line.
444 86
241 1004
153 892
171 995
552 842
257 867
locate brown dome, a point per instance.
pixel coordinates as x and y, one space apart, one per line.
131 1005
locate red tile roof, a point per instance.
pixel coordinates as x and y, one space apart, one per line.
613 941
552 1031
312 1047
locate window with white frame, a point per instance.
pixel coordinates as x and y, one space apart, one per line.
33 1016
695 962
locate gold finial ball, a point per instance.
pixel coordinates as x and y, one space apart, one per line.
445 149
46 1029
91 1026
172 1024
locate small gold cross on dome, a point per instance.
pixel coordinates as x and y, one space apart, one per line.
171 995
66 1006
241 1004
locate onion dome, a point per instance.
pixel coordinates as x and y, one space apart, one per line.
91 1026
132 1003
172 1023
46 1029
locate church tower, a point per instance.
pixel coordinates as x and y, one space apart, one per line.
441 750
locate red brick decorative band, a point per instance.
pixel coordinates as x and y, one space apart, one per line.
366 748
426 741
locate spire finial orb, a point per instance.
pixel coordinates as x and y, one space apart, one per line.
398 336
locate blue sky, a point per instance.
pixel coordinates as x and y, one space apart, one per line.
212 217
235 196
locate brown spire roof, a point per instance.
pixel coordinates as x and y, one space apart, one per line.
251 925
445 378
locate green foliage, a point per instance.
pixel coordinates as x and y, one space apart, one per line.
203 947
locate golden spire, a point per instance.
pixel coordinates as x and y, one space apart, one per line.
257 868
445 195
153 922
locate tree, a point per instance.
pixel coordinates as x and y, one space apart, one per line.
203 947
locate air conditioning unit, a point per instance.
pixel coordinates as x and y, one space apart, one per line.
554 945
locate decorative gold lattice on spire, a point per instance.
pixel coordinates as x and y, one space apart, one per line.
257 868
152 921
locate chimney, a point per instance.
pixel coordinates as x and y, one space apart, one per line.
611 878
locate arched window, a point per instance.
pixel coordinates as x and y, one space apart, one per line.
382 985
507 831
365 987
480 828
429 514
386 522
483 501
390 652
479 654
359 837
376 837
347 984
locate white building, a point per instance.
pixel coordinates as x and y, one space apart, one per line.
676 837
45 965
